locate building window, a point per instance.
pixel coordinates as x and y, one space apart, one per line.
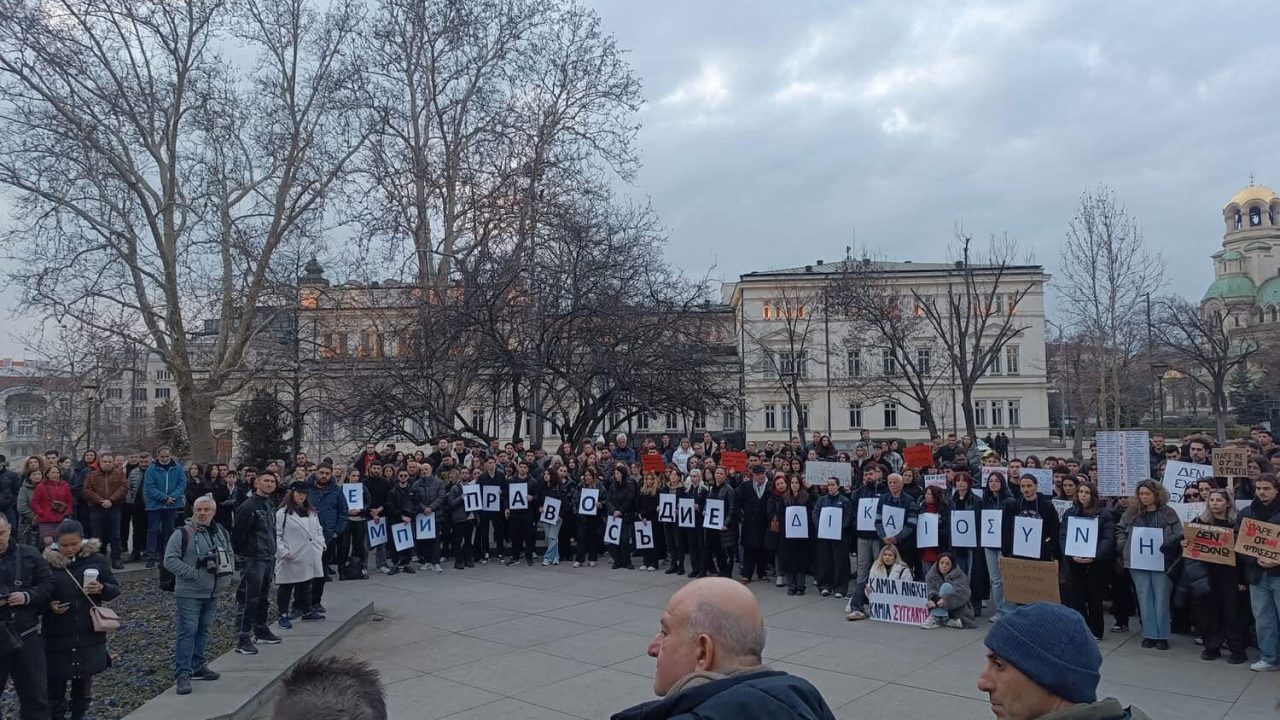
115 393
642 421
164 375
766 310
980 413
140 394
804 415
1255 217
162 393
888 363
997 413
855 415
922 360
997 304
995 364
1011 360
477 418
1236 224
769 365
670 421
795 364
770 416
1015 413
729 419
890 415
1013 304
137 412
699 421
854 361
786 416
24 427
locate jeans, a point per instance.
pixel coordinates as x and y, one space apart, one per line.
195 618
992 556
1153 603
1265 598
105 525
552 555
940 612
159 528
867 550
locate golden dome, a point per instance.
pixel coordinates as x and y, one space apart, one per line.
1253 192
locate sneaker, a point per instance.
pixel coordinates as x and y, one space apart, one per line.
266 637
993 619
930 624
1120 628
245 646
184 684
1237 659
825 593
319 608
205 674
436 568
578 564
408 569
384 570
393 571
856 615
1264 666
313 616
591 563
955 623
839 596
424 567
285 622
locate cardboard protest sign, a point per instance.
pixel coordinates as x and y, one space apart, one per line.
644 535
917 456
830 523
377 532
518 496
816 473
992 531
797 522
1028 581
550 511
1178 475
354 495
897 601
733 460
1209 543
686 513
713 515
492 496
666 507
1027 536
402 534
424 526
1231 462
1144 549
938 481
892 520
613 530
652 462
1062 506
589 501
927 530
1259 540
964 528
867 514
471 501
1082 537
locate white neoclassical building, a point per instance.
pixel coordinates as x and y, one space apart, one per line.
836 379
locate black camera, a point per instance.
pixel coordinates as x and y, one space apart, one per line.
209 563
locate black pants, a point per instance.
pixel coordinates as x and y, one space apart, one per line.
1087 583
521 531
694 541
462 532
755 560
1124 601
428 550
498 524
105 525
1223 616
81 689
26 666
833 565
133 527
330 557
351 545
256 581
301 593
671 538
716 559
590 539
622 551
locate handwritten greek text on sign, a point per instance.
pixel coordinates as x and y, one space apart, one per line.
1211 544
1260 540
1179 475
1231 462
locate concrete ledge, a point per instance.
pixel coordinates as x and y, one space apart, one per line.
248 681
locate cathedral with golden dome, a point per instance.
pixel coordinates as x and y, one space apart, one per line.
1246 271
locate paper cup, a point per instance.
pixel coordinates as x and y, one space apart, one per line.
91 575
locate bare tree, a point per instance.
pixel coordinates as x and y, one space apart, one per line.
1197 344
975 317
780 350
1107 276
156 181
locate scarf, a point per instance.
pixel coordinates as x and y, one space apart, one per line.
702 677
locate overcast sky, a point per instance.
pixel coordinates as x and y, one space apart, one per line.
776 133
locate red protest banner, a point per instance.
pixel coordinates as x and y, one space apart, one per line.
734 460
918 456
652 462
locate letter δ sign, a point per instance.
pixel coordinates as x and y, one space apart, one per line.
1178 475
797 521
1209 543
897 601
550 511
1259 540
377 532
471 501
424 527
354 495
713 515
589 501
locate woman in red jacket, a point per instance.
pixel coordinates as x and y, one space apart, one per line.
51 502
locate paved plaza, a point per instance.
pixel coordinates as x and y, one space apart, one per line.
556 643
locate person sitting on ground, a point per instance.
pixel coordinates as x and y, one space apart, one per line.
1043 663
327 688
948 595
708 652
887 565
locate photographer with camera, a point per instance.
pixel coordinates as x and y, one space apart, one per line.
26 585
199 556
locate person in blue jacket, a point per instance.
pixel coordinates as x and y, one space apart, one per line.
164 488
331 508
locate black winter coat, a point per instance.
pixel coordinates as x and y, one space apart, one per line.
22 569
72 648
753 514
762 695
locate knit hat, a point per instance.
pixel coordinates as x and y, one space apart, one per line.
1051 645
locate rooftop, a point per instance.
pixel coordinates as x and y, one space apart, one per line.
879 266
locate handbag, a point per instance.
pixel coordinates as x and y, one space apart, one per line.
105 620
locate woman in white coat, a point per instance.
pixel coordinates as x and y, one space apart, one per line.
299 555
887 565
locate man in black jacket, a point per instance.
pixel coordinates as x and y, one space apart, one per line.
10 487
491 480
253 537
753 519
26 585
520 521
708 651
403 504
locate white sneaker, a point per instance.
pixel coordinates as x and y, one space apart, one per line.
993 619
383 569
848 607
577 564
955 623
930 624
437 568
591 563
545 563
839 595
1264 666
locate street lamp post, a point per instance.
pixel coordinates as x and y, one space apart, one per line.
1159 369
90 392
1062 414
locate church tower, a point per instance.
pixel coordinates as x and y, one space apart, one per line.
1247 269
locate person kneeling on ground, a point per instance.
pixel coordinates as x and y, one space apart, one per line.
1043 664
708 652
948 595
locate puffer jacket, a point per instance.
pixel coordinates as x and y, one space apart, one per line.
958 601
190 579
331 507
72 648
402 502
164 481
22 566
431 492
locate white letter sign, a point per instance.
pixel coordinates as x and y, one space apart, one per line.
867 514
613 531
713 515
354 493
830 520
550 511
492 498
402 533
993 528
687 513
644 535
425 527
471 501
927 530
964 529
1027 534
1144 549
797 520
377 532
588 501
892 520
1082 537
666 507
518 496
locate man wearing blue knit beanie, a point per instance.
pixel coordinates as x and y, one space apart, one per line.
1043 664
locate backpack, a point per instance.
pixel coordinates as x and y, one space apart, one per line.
167 579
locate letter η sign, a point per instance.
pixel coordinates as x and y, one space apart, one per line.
797 522
1144 549
550 511
1209 543
588 501
354 495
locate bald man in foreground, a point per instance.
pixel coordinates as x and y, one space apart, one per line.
709 649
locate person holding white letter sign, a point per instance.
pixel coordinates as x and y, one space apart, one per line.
1150 536
1028 504
833 516
1088 545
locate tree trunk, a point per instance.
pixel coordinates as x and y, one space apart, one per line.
966 406
196 412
